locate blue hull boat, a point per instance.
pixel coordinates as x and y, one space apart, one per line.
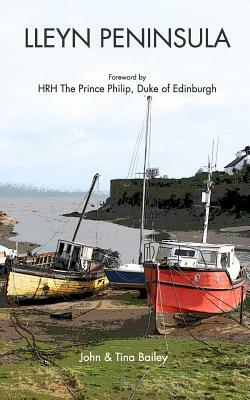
128 276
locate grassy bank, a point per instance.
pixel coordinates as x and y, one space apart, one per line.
192 371
214 368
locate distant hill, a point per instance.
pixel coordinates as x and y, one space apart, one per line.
7 189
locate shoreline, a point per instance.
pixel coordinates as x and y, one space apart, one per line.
238 236
7 235
237 239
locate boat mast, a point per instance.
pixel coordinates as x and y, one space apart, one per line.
149 100
206 196
207 201
96 176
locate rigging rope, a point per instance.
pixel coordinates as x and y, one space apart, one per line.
60 228
139 381
189 331
136 151
19 327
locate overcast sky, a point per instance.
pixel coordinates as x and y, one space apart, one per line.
60 141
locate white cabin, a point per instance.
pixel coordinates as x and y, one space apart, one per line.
199 255
130 268
73 255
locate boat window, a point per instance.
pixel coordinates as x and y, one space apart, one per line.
163 253
207 257
225 258
74 264
61 247
184 252
75 253
68 248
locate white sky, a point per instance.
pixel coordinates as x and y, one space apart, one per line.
60 141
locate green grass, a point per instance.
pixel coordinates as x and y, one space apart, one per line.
130 298
246 306
192 372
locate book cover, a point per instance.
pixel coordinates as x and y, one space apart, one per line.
125 200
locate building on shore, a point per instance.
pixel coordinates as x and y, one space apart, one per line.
242 159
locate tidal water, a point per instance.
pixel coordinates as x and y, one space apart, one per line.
40 221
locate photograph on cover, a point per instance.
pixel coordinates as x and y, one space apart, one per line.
124 200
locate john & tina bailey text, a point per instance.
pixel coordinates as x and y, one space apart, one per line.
123 358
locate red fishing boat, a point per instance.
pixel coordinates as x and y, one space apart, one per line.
197 278
193 280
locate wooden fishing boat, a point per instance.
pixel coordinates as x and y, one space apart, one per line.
73 269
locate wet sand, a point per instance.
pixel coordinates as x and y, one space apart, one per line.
105 317
239 239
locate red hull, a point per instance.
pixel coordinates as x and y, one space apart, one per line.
192 291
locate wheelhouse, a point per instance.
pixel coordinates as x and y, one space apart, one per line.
81 257
73 256
197 255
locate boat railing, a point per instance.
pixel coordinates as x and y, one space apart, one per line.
39 260
149 253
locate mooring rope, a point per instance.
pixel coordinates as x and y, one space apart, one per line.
194 284
148 372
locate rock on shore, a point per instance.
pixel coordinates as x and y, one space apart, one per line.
7 230
6 220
